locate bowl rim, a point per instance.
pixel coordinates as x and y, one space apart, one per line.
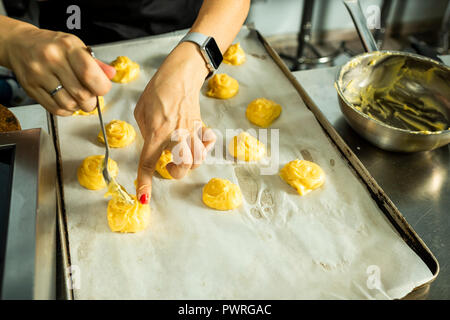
386 52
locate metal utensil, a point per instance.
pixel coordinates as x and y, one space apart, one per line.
112 183
108 178
369 69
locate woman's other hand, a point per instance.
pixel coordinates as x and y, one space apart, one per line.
168 115
42 60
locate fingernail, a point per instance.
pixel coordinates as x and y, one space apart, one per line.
144 198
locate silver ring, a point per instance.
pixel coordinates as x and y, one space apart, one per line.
52 93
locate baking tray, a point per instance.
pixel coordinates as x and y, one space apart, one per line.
382 201
397 220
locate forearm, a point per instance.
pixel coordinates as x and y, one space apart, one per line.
217 18
171 100
221 20
9 27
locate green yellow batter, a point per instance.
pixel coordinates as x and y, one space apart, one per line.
396 93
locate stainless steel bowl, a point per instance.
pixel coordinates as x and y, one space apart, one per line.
379 133
361 70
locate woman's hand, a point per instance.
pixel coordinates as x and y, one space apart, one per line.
43 60
170 104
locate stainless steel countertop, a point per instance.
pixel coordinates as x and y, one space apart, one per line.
418 184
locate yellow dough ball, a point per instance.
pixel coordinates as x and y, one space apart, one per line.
119 134
221 194
304 176
126 70
165 158
234 55
101 102
90 175
262 112
245 147
222 86
126 217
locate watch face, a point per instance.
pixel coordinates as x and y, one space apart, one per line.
214 53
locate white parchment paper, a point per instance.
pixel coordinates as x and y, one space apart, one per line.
334 243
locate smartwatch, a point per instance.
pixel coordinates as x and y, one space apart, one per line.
208 48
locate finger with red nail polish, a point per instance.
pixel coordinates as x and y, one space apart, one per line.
144 198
